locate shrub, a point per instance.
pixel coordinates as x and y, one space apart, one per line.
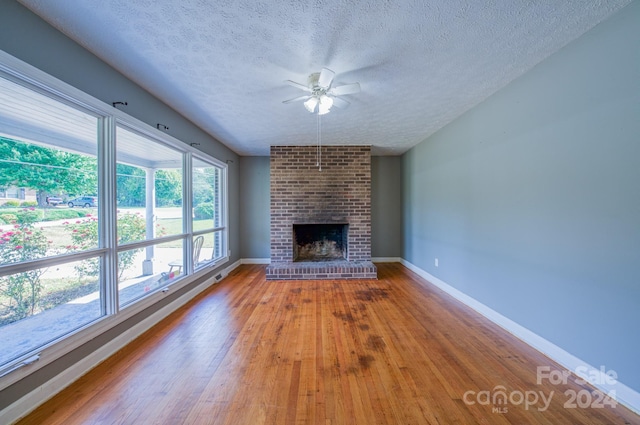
131 227
29 215
203 211
11 204
9 218
66 214
27 204
84 234
22 290
2 221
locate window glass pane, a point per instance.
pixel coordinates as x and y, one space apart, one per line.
143 270
146 169
168 221
202 249
41 305
206 195
211 248
48 167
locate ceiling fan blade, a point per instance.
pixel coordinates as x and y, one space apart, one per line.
295 99
326 76
346 89
340 103
298 85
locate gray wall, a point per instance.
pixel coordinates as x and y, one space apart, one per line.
254 207
27 37
386 207
530 201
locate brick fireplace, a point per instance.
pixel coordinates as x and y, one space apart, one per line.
321 220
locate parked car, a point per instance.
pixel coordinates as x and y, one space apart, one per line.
83 201
54 200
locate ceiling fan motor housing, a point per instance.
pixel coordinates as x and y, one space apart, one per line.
322 93
312 82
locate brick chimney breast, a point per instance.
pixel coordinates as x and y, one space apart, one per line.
303 194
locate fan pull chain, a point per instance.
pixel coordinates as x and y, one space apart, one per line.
319 151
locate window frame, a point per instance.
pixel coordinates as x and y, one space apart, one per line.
224 207
109 117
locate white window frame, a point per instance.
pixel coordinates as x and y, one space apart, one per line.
33 78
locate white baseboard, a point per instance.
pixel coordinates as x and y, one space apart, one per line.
386 260
623 394
233 266
255 261
44 392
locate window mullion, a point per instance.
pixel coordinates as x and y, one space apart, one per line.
224 209
187 211
108 213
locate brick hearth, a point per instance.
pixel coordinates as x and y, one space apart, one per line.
302 194
335 269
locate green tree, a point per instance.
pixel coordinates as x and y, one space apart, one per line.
168 188
130 183
48 171
204 183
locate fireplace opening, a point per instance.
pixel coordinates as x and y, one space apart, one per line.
320 242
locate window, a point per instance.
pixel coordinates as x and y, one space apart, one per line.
134 211
208 210
50 261
149 197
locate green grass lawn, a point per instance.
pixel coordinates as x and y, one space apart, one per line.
61 238
172 226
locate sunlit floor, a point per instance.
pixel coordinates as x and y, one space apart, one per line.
390 351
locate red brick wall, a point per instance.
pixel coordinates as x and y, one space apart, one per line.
302 194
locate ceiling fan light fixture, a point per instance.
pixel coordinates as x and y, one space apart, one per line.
322 96
311 104
325 104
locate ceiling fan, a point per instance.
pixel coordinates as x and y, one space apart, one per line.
323 95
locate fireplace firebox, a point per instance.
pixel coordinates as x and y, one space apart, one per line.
320 242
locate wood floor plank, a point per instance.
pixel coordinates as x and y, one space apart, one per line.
396 350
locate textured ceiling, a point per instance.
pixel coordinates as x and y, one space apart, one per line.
421 63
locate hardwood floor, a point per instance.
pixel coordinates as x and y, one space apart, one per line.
390 351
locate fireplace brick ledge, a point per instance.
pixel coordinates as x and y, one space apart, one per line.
311 270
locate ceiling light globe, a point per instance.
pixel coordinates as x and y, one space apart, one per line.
325 104
311 104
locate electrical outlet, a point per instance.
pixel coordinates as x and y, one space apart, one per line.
436 262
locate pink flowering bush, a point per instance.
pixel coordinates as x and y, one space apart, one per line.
84 234
20 292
